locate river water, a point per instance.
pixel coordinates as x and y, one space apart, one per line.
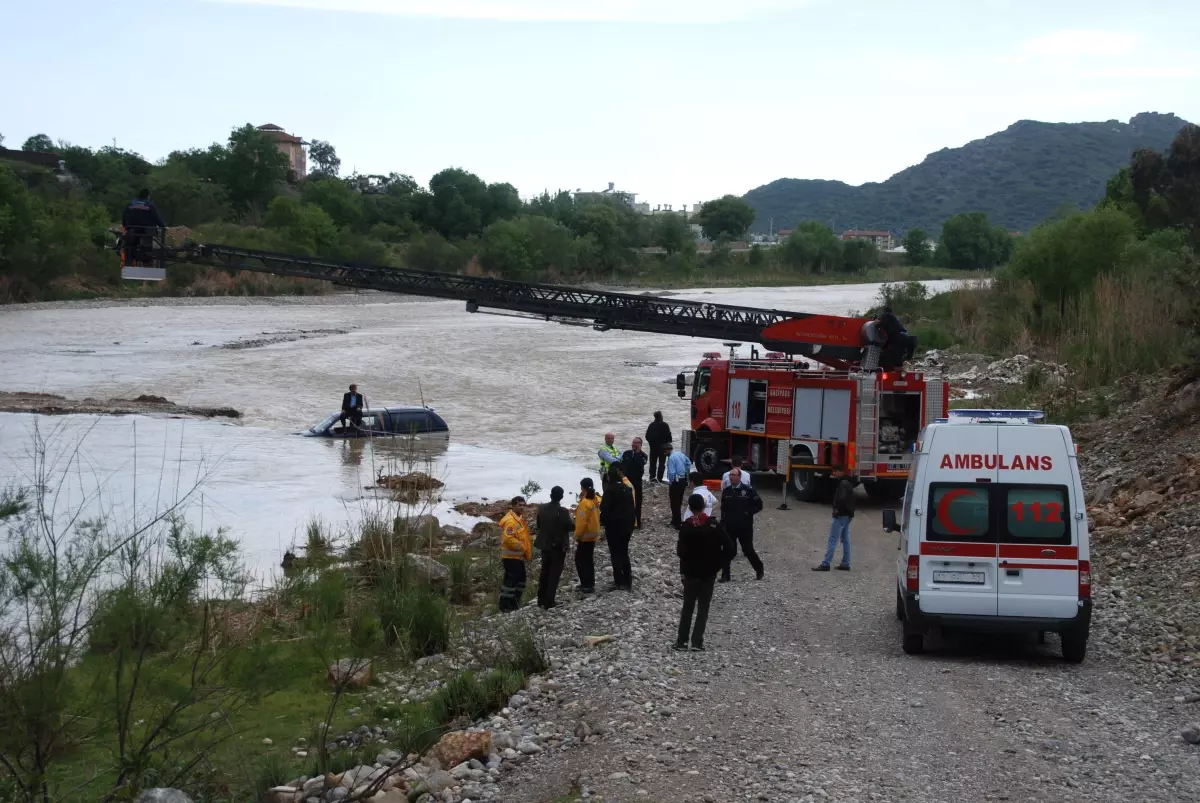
524 399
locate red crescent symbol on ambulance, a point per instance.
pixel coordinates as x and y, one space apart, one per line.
943 511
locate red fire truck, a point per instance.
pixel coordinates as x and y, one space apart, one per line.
784 415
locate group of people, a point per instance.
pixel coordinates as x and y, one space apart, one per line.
706 545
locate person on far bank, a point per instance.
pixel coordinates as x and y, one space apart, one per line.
608 455
735 462
587 533
633 463
516 547
678 469
703 549
658 435
618 512
554 540
739 504
843 512
699 488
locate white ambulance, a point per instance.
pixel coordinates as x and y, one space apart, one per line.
993 534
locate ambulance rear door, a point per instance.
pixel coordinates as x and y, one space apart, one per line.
959 538
1039 553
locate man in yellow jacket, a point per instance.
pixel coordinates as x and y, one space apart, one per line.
587 533
516 547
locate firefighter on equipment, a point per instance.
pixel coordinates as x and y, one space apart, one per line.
900 344
139 219
516 547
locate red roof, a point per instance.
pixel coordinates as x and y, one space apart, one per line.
278 134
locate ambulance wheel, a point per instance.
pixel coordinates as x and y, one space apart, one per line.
899 606
914 643
1074 646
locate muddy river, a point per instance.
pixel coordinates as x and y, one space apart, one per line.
524 399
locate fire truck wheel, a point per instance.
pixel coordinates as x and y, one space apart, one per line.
707 460
805 486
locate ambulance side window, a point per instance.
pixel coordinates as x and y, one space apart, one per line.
1037 513
959 512
909 487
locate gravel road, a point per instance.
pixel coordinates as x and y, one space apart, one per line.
804 694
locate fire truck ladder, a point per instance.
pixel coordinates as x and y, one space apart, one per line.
868 422
825 338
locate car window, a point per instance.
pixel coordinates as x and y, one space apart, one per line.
408 423
1036 513
959 512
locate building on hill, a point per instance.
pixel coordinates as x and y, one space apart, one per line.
883 239
290 146
630 198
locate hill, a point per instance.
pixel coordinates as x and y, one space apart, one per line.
1019 176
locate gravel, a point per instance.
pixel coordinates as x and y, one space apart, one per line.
805 695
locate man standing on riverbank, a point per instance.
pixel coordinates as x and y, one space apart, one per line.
587 533
739 503
699 489
843 512
608 455
658 435
353 405
633 463
554 540
703 548
678 469
735 464
516 548
618 511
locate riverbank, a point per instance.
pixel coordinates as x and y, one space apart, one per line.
53 404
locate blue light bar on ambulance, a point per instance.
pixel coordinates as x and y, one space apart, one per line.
1027 415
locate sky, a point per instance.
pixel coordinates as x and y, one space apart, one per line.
677 100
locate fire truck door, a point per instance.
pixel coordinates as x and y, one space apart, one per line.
806 413
835 416
739 396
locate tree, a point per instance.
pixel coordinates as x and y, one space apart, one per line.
916 247
812 247
251 167
725 219
672 232
307 226
325 157
336 197
1166 188
39 143
970 242
1062 258
184 199
459 199
859 256
527 248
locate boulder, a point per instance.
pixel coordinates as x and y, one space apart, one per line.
1146 499
1102 492
452 533
488 531
163 796
433 783
458 747
283 794
427 569
352 672
414 480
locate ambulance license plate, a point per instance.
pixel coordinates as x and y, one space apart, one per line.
966 578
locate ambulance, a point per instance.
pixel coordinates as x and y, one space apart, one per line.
993 534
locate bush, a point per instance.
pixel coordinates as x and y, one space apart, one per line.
417 617
461 575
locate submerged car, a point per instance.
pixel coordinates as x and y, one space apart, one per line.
381 422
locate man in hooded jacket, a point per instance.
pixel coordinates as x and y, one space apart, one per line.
554 540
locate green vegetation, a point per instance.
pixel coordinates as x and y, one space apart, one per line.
1110 292
135 656
1018 177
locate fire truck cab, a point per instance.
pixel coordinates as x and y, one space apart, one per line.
785 416
993 533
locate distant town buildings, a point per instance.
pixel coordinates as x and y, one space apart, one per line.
630 199
883 239
290 146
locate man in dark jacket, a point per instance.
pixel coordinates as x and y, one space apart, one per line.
900 344
618 512
140 220
353 405
554 540
843 512
703 548
658 435
739 503
633 463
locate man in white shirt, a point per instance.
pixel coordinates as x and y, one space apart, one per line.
736 463
699 489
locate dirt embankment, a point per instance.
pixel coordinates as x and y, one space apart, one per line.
52 404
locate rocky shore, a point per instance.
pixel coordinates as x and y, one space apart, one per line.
52 404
